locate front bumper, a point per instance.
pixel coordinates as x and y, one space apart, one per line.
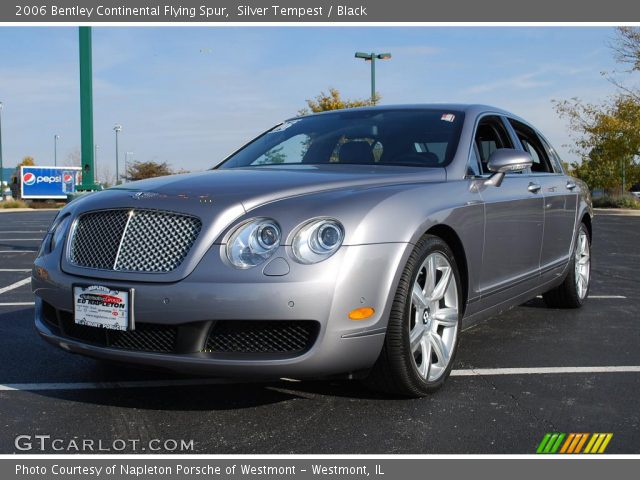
322 294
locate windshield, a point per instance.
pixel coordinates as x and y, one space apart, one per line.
425 138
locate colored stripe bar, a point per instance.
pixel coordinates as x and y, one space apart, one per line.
605 443
550 443
567 442
556 446
574 443
581 443
543 443
576 439
591 442
599 441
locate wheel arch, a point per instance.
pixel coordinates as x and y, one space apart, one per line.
586 219
451 238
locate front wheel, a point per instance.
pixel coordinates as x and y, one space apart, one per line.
424 324
573 292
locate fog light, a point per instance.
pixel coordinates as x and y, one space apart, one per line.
361 313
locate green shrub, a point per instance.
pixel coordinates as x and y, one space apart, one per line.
619 201
13 204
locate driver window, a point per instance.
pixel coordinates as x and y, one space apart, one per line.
491 135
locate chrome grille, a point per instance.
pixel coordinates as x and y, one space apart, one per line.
133 240
96 239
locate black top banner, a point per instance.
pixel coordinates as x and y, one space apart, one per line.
319 11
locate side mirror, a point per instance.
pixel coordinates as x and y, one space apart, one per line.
506 160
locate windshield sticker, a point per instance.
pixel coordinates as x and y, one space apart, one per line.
448 117
282 127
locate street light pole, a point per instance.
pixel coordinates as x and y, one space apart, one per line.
371 57
1 166
55 150
117 128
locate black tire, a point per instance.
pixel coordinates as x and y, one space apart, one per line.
566 294
395 371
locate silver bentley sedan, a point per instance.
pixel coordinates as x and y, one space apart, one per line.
357 242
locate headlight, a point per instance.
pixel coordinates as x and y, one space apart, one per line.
317 240
55 234
254 242
59 232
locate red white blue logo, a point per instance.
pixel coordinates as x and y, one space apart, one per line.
67 178
28 178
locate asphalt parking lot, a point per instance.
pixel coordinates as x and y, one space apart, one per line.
513 379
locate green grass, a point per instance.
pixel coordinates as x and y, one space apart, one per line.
618 201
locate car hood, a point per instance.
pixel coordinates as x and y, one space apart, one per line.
219 198
252 187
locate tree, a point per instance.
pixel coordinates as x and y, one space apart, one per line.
73 159
607 135
333 101
142 170
274 155
26 162
14 182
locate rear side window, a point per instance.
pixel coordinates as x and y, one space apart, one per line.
532 143
556 162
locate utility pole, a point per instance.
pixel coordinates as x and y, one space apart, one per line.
86 111
1 165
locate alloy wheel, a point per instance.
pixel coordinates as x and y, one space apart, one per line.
582 264
433 324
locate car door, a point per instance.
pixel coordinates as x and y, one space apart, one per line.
513 220
559 192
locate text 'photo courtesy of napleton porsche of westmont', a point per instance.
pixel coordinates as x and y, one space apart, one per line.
325 241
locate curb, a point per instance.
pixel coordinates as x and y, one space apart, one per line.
617 211
18 210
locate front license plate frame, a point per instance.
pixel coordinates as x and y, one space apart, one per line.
97 306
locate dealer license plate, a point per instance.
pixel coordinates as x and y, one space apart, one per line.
102 307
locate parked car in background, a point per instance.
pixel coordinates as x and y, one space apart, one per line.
635 190
353 242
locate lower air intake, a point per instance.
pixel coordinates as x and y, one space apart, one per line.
248 336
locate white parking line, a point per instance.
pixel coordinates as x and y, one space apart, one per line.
15 269
13 286
219 381
18 304
542 370
19 251
600 297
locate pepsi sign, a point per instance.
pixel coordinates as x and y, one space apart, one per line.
48 182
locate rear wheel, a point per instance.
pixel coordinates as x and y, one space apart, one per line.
573 292
422 334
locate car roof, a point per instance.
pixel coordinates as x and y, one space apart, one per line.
468 109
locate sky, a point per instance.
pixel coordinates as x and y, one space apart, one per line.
190 96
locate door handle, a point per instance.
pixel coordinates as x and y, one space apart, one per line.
534 187
571 185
